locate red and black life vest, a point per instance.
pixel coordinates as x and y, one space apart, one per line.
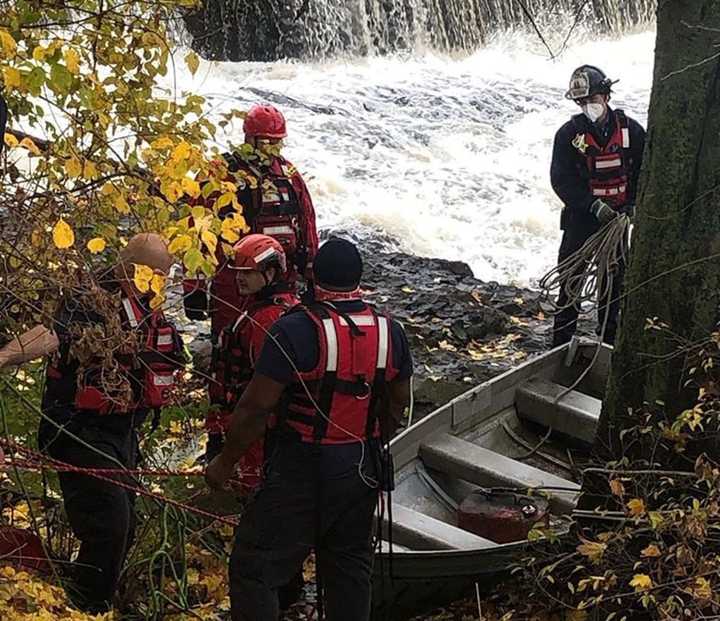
234 361
151 373
609 166
354 363
272 207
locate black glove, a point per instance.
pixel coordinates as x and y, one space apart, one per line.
603 212
629 210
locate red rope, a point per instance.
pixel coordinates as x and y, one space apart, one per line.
39 461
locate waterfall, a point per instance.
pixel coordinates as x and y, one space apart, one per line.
268 30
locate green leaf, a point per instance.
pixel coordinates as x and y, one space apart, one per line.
193 260
35 81
60 80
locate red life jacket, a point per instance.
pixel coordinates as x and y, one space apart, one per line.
151 372
609 166
354 363
234 363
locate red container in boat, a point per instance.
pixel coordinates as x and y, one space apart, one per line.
501 517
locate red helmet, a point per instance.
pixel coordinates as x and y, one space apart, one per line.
259 252
264 122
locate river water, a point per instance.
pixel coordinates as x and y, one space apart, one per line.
440 156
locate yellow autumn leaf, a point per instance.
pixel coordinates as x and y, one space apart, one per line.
636 506
190 187
193 62
121 204
72 61
210 240
229 235
73 167
172 191
641 582
11 77
163 142
96 244
107 189
9 47
10 140
157 283
651 551
156 301
702 588
225 199
180 244
181 151
594 550
89 170
28 143
63 236
142 277
39 53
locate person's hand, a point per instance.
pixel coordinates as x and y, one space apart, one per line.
629 210
218 473
603 212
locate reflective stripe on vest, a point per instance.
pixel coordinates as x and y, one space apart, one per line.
609 191
358 320
130 312
608 165
277 230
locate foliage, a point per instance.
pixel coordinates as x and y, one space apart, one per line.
112 147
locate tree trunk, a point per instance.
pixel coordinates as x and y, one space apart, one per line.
674 271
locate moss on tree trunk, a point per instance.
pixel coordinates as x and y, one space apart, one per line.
674 270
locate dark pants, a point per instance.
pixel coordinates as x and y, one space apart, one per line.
608 306
101 514
311 498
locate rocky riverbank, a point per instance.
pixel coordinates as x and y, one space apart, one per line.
462 331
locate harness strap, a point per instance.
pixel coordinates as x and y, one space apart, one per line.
329 380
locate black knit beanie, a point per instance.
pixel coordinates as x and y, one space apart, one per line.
338 265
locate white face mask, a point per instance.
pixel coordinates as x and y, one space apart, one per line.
594 111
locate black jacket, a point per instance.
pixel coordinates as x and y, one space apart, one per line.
569 173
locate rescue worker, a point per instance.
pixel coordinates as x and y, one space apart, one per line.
336 373
276 202
260 270
94 401
595 167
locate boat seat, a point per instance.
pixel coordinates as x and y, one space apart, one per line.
385 547
415 530
576 414
470 462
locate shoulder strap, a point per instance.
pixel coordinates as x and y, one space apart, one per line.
622 121
329 380
578 121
